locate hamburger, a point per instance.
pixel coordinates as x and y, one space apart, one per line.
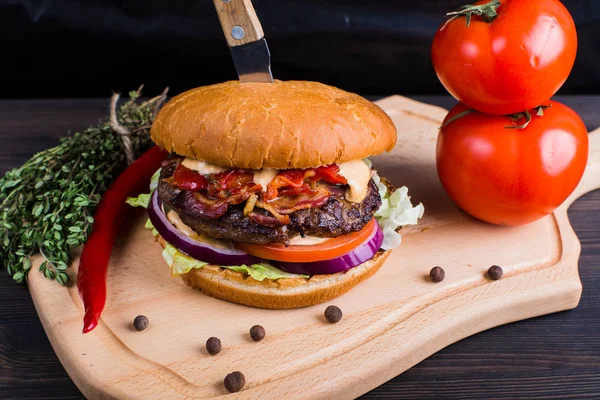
268 198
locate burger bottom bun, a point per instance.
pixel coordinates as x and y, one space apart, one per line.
237 287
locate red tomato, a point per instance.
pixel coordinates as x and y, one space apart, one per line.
512 64
328 250
511 176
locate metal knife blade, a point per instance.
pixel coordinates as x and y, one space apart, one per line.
253 61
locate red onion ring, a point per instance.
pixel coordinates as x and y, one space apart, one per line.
357 256
193 248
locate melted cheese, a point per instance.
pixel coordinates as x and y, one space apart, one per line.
358 175
264 176
307 240
202 167
174 218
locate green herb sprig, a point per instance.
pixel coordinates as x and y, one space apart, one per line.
46 205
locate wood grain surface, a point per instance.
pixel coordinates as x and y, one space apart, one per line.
239 13
549 355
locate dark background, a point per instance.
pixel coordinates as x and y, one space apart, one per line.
87 48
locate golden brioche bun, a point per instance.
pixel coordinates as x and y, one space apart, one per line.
284 124
237 287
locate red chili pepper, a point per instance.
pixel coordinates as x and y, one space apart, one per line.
293 177
329 174
108 219
225 180
188 179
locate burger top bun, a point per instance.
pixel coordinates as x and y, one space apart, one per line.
284 124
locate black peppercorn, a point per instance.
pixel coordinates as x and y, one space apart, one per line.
140 322
234 382
213 346
257 333
437 274
333 314
495 272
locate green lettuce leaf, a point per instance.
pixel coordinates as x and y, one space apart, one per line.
144 199
396 210
180 263
154 180
149 225
141 201
264 271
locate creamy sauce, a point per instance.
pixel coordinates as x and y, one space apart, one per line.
202 167
174 218
264 176
358 175
307 241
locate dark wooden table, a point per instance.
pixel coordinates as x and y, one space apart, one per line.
550 357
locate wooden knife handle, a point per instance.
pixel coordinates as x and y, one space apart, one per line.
239 21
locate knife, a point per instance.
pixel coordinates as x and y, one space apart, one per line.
246 40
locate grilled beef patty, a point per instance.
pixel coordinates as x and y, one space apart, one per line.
335 218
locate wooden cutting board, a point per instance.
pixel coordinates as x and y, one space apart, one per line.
391 321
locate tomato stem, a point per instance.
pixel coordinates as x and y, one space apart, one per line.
457 116
515 117
488 12
541 109
527 115
518 116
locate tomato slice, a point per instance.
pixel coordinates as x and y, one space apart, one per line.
328 250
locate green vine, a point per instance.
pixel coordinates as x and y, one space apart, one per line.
513 117
488 12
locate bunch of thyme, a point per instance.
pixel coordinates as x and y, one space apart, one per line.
47 205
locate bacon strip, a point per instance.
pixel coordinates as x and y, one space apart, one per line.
317 198
293 178
296 182
231 183
304 189
283 219
289 191
203 207
265 220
